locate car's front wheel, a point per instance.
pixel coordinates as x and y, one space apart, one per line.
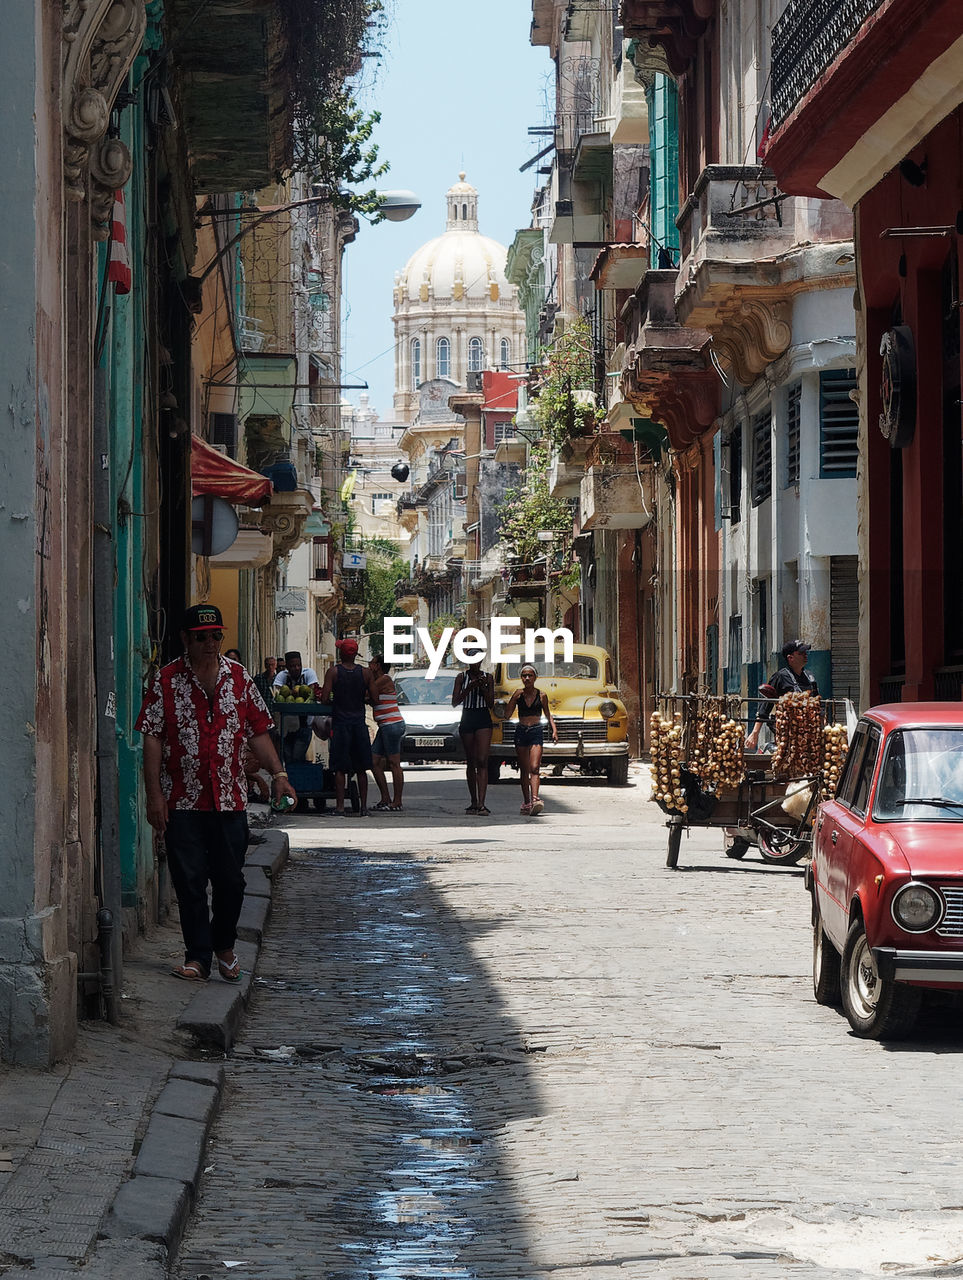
877 1008
618 771
826 966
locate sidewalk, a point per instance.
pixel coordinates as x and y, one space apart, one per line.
101 1156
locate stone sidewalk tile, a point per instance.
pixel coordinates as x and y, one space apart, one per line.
74 1199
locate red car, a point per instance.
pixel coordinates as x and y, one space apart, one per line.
887 869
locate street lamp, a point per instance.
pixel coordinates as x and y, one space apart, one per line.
547 537
398 206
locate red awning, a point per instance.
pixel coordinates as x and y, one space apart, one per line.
217 474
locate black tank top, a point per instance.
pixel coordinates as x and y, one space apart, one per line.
347 695
526 708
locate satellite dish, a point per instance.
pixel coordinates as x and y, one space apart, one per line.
214 525
400 471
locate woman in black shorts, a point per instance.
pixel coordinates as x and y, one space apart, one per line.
532 704
474 692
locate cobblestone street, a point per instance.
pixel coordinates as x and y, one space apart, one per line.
516 1048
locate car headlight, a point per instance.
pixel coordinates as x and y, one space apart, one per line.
917 908
608 709
500 708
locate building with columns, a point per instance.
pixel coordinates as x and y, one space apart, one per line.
455 312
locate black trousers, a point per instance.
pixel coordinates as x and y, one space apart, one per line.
207 848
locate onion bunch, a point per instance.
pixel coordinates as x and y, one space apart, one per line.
665 749
835 746
797 722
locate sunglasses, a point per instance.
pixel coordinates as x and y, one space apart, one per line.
198 636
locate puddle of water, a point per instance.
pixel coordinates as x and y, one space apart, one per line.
422 1224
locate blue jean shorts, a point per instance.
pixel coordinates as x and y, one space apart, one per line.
529 735
388 739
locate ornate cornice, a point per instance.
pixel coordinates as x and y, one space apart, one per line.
101 40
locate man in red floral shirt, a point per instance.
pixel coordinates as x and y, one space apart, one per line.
198 713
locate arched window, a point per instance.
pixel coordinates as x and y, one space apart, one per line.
505 353
415 363
476 355
443 358
464 212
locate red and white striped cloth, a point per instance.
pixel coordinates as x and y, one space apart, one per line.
118 269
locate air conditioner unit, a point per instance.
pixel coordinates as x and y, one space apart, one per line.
223 431
461 492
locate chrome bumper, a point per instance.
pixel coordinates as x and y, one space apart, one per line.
896 965
565 750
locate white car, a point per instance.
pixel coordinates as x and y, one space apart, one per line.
431 722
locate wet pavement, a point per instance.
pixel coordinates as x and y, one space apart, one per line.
519 1049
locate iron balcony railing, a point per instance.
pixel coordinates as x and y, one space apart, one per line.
805 41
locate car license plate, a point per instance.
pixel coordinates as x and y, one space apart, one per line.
423 741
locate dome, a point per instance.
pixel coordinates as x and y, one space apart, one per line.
461 264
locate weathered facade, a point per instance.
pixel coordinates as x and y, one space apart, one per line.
869 111
118 114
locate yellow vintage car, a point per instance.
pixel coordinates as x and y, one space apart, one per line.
591 718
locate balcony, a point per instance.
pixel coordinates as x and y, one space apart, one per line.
748 249
630 126
675 25
666 375
406 596
857 84
566 466
235 89
611 497
526 581
806 40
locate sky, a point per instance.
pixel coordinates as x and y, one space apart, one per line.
458 87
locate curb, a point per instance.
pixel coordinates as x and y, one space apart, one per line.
154 1204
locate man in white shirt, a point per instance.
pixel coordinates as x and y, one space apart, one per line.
296 733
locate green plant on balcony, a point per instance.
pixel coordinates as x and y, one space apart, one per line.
530 508
561 409
325 41
437 625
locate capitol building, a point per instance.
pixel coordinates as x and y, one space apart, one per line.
455 313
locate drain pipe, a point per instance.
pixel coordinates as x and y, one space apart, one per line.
104 976
108 879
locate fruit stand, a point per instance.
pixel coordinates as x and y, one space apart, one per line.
702 776
312 781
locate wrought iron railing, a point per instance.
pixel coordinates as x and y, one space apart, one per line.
891 688
805 41
948 684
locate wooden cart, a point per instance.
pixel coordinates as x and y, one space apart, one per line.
751 813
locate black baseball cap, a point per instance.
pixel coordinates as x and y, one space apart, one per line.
203 617
794 646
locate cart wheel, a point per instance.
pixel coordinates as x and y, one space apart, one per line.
675 843
783 851
738 849
354 797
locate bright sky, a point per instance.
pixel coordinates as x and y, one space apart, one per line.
458 87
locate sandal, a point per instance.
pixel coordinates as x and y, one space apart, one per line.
396 808
472 808
230 972
526 809
537 807
483 811
191 971
381 807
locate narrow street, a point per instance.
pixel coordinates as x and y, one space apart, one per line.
523 1048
